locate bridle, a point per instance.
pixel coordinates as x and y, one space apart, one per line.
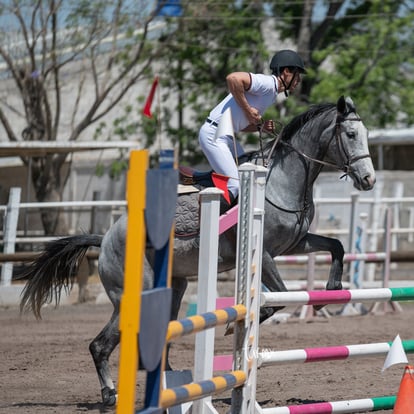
345 167
348 161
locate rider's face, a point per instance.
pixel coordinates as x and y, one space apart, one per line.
296 79
291 78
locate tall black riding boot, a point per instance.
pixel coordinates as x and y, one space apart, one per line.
224 205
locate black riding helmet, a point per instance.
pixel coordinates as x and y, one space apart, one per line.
286 59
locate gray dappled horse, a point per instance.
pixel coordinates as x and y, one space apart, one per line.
326 134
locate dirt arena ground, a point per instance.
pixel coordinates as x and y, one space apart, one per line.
46 367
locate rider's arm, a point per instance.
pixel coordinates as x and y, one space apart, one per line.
238 83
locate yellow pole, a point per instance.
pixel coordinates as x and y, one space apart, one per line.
130 311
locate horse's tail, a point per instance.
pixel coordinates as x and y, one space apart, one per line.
53 270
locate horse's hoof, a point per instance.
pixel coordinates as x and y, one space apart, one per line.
229 330
109 397
266 313
337 285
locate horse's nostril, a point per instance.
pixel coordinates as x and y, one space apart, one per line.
369 180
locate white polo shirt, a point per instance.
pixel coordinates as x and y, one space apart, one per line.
261 95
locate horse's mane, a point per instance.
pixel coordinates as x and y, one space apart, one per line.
293 126
300 120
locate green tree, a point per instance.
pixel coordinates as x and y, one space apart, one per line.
358 48
96 50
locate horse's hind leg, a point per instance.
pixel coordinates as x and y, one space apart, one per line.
101 348
179 286
82 279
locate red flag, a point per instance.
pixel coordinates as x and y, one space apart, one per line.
220 181
147 108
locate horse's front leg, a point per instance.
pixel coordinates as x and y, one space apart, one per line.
315 243
271 280
179 286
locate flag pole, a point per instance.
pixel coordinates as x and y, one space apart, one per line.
159 125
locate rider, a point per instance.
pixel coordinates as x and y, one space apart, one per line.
250 95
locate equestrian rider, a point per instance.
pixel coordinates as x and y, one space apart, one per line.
250 95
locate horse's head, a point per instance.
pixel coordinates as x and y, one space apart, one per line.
351 137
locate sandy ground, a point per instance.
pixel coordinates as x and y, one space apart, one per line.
46 366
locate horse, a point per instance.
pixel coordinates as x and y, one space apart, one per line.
325 135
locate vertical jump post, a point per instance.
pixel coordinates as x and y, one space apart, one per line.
131 298
138 320
248 283
206 290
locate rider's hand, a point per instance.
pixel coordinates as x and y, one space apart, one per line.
253 115
267 126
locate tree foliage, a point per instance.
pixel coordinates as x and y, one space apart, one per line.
359 48
212 40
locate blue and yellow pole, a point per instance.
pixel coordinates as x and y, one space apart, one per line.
198 323
197 390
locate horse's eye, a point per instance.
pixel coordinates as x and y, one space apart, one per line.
351 134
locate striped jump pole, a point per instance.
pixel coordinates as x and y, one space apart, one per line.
329 297
327 258
198 323
329 353
202 389
337 407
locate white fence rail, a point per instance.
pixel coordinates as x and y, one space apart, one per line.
364 212
11 234
119 205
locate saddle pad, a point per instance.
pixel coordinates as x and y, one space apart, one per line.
187 216
187 189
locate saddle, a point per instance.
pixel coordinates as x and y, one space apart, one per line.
189 176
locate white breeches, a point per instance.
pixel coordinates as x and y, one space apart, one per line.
220 153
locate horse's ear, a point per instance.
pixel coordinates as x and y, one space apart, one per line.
341 105
350 104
